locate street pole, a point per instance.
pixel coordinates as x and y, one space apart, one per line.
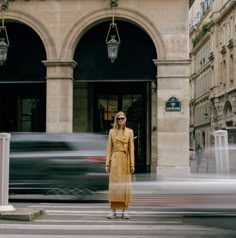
4 172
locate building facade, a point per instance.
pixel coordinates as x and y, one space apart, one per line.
58 78
212 81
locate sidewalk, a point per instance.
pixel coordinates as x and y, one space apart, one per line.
206 165
22 214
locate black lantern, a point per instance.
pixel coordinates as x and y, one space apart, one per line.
3 51
4 42
112 45
113 38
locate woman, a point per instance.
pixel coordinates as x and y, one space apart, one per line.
120 165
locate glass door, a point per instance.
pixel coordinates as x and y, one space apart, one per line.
105 108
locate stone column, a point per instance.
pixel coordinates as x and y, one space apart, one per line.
172 126
59 96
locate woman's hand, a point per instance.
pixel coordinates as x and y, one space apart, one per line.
131 169
107 168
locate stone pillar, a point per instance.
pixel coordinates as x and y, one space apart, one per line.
172 126
4 172
59 96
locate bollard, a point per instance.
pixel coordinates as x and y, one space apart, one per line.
221 151
4 172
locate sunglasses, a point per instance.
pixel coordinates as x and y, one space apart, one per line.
120 118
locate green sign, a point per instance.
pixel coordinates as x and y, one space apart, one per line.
173 105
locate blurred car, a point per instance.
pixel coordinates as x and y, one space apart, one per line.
192 153
57 164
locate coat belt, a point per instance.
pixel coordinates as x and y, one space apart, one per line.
120 148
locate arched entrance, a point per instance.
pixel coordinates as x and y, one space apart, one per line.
102 88
22 82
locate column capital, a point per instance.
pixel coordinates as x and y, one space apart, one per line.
62 70
58 63
168 62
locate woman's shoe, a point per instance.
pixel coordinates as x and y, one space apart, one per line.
125 215
112 214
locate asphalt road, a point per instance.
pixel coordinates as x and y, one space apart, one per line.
88 220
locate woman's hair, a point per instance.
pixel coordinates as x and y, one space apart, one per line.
115 124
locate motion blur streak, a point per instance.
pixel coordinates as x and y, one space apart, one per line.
57 164
199 191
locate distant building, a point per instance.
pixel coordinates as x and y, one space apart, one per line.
212 30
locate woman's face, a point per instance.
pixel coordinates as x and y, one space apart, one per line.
121 120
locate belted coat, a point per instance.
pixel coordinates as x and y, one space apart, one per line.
120 158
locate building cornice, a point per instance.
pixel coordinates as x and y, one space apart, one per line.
222 94
225 11
199 125
201 70
203 41
203 97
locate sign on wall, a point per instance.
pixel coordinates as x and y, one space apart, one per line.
173 105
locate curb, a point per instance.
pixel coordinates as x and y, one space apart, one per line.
22 214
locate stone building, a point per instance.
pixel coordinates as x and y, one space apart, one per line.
58 77
213 70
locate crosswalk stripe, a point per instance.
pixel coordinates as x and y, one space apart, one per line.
85 236
107 206
138 213
103 213
69 206
104 216
112 227
86 220
97 212
108 221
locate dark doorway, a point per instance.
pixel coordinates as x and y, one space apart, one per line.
22 82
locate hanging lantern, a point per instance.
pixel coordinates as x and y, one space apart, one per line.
3 51
113 38
4 42
113 45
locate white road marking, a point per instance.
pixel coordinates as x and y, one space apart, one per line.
70 206
108 221
84 236
98 212
113 227
103 213
135 213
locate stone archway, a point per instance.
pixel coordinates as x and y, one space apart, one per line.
124 83
38 28
78 30
23 84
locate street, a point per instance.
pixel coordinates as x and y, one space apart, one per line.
88 220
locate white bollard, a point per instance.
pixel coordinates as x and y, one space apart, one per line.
221 152
4 172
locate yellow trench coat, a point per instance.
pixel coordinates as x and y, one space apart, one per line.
120 157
